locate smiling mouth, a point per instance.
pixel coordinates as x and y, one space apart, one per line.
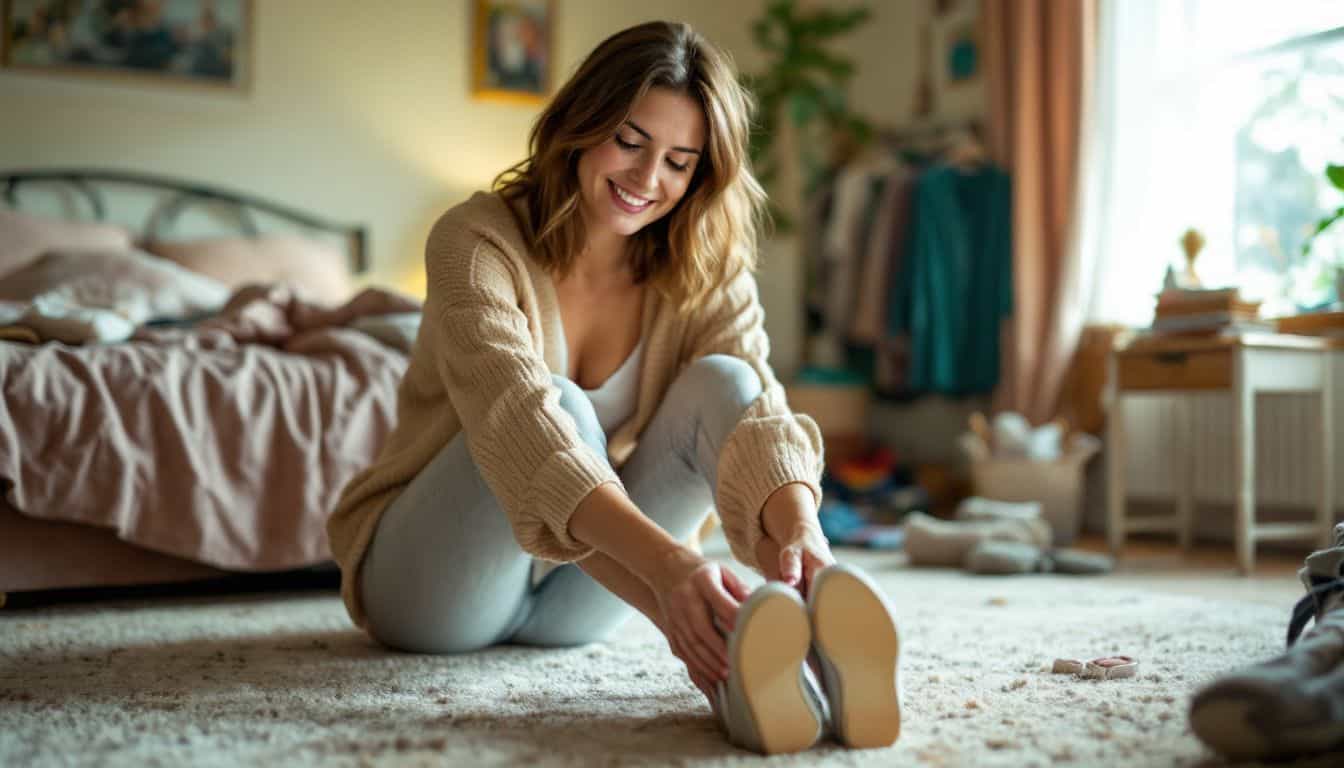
626 201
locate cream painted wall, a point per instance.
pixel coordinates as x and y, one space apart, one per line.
360 110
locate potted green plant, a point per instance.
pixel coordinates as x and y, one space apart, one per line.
1335 173
801 95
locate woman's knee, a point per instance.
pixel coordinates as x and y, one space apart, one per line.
574 402
723 385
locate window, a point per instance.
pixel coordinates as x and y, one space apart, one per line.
1293 128
1219 115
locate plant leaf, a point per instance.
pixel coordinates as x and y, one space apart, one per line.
802 83
803 106
1322 225
1336 175
781 11
762 31
860 128
811 56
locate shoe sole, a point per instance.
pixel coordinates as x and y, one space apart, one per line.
770 652
854 632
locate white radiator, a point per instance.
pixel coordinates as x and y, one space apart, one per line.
1287 458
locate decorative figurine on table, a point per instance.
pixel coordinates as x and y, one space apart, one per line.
1191 242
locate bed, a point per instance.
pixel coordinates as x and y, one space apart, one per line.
184 396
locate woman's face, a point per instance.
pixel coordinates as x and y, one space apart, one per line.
639 174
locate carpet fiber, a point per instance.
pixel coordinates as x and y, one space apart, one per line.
285 680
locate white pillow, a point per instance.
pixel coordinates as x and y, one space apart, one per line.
128 282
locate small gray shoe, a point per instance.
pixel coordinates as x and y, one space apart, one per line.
1292 705
1005 558
770 702
858 650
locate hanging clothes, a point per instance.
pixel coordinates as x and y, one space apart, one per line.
844 239
854 193
885 245
955 287
815 224
885 355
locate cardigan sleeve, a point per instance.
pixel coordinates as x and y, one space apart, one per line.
526 446
770 447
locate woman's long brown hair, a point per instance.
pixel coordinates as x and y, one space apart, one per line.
713 232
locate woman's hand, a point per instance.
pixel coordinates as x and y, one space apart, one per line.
694 593
794 547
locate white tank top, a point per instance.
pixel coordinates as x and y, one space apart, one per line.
614 400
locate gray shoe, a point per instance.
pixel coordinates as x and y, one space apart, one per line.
1002 558
1292 705
858 650
770 702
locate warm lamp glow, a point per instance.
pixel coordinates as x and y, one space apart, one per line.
412 280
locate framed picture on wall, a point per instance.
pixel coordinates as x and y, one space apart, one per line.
195 42
512 50
956 53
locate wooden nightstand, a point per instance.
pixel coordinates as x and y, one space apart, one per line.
1244 366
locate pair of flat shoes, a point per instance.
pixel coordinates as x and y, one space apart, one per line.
772 702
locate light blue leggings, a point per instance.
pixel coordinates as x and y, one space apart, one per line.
444 573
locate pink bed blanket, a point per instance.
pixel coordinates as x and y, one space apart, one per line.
227 443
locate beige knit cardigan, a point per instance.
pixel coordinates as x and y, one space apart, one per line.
489 340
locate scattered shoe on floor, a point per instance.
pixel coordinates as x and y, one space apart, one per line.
1293 705
932 541
981 508
1004 558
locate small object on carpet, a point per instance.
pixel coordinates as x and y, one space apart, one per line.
1067 667
1105 668
1111 668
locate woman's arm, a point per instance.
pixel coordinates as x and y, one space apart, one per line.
794 547
609 521
618 580
527 447
770 466
691 592
630 588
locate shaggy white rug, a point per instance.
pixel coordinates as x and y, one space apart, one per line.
286 680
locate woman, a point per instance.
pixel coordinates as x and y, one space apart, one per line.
589 379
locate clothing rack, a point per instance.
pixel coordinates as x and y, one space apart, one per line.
929 129
932 136
914 315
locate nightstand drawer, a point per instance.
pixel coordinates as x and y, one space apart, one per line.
1210 369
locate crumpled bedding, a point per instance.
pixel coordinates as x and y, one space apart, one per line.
226 442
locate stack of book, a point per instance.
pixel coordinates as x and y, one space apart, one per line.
1207 311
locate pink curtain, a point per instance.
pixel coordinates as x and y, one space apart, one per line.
1039 57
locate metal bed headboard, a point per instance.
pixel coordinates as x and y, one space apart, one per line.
181 196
